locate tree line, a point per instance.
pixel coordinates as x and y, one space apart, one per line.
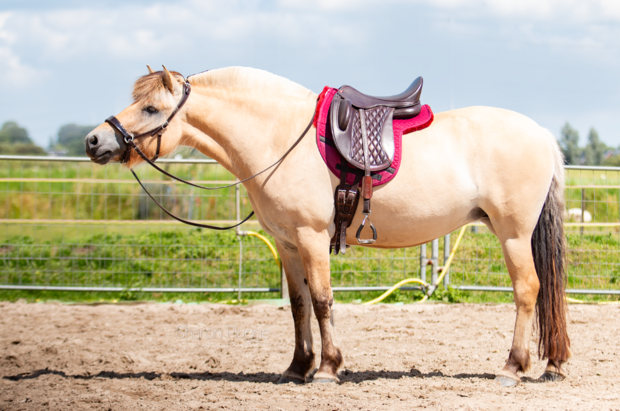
595 153
69 141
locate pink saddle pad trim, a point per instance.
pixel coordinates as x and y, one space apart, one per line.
330 154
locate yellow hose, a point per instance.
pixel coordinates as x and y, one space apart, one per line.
397 285
452 254
266 241
416 280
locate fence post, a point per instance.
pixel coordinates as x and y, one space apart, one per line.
238 230
423 262
446 255
240 268
434 260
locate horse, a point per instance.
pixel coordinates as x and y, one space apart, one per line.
471 164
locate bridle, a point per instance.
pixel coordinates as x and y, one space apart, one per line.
159 131
129 138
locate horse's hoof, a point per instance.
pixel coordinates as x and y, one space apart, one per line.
287 379
550 376
506 381
324 380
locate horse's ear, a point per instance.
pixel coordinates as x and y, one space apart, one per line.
151 71
168 80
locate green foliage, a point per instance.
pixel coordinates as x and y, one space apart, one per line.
112 193
448 295
595 149
70 139
14 140
569 143
613 161
12 133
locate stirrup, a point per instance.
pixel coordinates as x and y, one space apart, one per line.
372 227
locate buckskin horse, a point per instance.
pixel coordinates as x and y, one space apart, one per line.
470 164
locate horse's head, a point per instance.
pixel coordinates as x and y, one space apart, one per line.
156 96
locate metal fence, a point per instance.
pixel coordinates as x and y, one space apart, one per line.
67 224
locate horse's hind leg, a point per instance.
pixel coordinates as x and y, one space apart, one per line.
301 304
520 263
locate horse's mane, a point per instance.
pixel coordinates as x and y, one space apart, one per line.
229 77
249 78
149 83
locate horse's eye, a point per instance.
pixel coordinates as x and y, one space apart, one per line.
151 110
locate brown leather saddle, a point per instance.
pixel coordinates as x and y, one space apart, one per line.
361 127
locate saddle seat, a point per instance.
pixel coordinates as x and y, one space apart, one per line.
406 104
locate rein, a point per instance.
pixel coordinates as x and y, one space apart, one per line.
129 141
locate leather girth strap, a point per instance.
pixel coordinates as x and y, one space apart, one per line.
346 198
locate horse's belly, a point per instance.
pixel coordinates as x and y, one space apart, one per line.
419 206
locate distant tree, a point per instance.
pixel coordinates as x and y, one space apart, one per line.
11 133
70 139
14 140
595 150
569 143
613 161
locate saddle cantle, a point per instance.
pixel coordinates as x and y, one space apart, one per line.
363 133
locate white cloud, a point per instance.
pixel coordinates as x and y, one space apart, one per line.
578 10
13 69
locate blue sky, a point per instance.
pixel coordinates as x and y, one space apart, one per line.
553 60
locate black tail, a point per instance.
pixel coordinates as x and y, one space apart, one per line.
548 248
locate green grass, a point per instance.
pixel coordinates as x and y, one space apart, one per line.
185 257
119 199
130 255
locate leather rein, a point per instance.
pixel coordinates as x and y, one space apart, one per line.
159 131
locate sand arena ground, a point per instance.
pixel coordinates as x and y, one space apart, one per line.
168 357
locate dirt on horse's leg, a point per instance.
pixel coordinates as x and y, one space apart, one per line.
314 251
301 306
520 263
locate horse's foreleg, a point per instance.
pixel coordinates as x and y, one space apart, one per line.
520 263
314 251
301 304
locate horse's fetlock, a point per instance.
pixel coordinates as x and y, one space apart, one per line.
520 358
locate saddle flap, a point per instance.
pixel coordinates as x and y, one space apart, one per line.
348 141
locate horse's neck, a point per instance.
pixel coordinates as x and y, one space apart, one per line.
242 132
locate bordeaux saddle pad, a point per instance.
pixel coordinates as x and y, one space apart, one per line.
384 166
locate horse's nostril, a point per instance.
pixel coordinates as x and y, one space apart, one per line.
93 141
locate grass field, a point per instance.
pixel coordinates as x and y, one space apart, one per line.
99 229
181 257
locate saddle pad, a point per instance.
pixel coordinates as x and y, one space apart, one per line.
330 154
